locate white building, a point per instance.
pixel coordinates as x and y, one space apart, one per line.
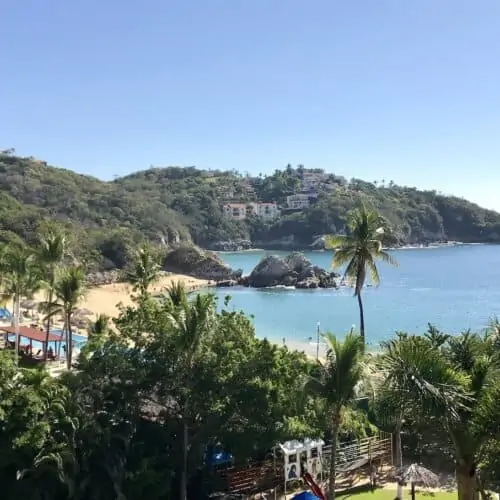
240 211
298 201
310 181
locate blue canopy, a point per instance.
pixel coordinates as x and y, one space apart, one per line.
305 495
4 313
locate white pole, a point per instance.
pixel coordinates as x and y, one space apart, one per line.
317 340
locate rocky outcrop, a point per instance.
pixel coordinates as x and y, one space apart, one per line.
199 263
103 278
292 270
231 246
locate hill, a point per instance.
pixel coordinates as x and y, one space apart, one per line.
216 208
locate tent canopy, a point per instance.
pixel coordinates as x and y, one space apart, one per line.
305 495
31 333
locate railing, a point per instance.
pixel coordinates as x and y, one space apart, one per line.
375 447
266 475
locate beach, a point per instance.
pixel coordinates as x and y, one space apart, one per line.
104 299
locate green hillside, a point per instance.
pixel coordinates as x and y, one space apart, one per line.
185 204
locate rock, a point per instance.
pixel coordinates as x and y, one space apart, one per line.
199 263
231 246
226 283
309 283
292 270
270 271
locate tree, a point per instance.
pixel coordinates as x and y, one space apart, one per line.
22 278
69 290
475 359
416 383
51 254
336 383
145 270
359 250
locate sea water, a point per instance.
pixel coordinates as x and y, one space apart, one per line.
454 288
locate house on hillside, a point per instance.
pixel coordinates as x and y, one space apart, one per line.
240 211
301 201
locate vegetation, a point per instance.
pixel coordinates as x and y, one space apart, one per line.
359 250
336 384
167 205
176 376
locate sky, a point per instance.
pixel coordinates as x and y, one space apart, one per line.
402 90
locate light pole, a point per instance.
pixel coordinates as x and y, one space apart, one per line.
317 341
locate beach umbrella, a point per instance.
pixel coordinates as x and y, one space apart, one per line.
305 495
417 474
83 312
28 304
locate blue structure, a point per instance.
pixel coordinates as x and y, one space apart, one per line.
305 495
215 455
5 313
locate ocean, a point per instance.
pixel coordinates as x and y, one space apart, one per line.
454 288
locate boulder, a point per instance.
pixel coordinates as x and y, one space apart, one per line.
194 261
226 283
308 283
292 270
270 271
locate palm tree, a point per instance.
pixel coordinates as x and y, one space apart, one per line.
69 290
359 250
336 383
416 382
145 270
51 254
22 278
192 323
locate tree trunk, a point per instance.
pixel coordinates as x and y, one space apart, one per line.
185 443
17 311
49 317
398 457
361 318
69 343
333 459
466 482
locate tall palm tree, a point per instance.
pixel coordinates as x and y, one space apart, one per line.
145 270
69 290
51 254
192 322
416 381
359 250
22 278
336 383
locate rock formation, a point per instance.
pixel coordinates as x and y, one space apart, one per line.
292 270
194 261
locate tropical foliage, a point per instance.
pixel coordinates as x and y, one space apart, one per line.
111 219
359 249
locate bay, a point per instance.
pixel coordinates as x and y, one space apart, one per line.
454 288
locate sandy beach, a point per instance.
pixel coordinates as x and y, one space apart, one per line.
104 299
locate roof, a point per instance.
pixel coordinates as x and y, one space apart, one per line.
31 333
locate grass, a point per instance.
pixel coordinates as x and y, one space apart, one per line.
389 494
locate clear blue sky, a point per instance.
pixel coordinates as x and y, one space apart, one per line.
376 89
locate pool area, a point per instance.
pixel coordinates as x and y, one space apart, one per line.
78 341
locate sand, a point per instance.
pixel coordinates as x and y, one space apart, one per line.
104 299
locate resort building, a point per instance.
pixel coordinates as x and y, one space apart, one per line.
240 211
298 201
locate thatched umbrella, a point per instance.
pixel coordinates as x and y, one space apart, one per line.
29 304
83 312
417 474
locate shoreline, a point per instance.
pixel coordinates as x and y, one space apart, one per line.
105 299
413 246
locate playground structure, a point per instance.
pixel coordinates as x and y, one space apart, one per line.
306 462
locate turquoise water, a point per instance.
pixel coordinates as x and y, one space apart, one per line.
455 288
